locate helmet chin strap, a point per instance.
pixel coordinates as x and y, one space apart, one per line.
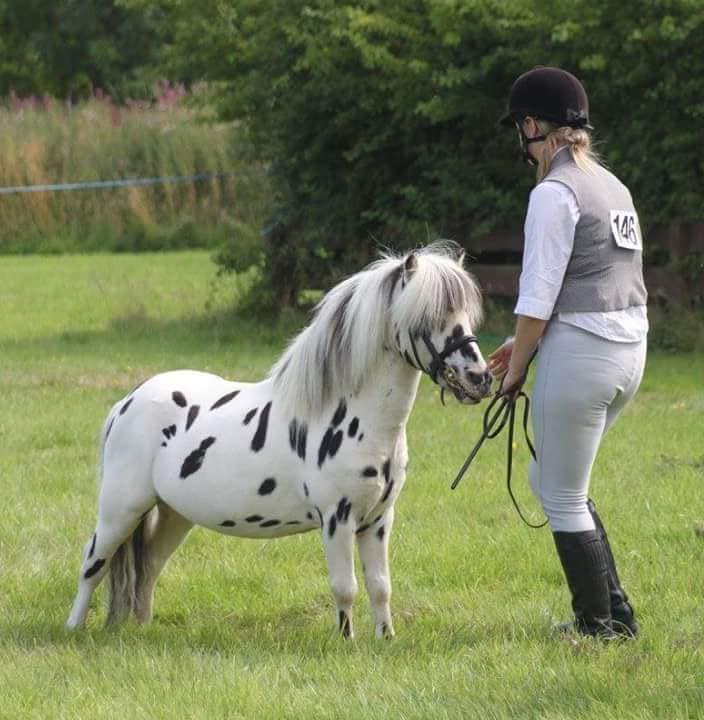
525 142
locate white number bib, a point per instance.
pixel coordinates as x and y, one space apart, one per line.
625 229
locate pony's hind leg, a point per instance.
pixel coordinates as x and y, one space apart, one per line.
126 495
164 532
373 543
110 533
338 537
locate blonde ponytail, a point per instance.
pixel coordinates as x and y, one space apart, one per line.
577 140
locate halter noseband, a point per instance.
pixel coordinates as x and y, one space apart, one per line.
438 364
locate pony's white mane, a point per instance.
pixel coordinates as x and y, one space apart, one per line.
357 319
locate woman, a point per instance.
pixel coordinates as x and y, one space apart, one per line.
582 298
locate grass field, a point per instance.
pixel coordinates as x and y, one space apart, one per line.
244 629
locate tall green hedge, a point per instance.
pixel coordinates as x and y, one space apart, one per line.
378 117
69 48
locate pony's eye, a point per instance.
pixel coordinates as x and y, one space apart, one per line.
450 374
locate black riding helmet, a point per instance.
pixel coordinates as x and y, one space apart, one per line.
548 93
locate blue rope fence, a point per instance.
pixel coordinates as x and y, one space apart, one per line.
105 184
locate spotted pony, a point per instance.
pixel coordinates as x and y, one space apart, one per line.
320 444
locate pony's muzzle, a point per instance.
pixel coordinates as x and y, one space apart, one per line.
470 389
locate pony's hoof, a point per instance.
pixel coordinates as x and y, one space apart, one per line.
385 632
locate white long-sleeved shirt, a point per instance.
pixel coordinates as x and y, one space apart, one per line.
550 223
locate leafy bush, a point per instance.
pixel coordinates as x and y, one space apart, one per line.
676 328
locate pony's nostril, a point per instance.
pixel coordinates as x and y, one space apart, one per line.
482 379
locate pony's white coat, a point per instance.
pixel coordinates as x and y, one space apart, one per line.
320 443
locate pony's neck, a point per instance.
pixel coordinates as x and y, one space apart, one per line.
390 392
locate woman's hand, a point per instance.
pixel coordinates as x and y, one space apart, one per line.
512 382
500 358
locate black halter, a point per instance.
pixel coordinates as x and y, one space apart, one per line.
438 364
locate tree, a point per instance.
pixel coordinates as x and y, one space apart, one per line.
70 47
377 119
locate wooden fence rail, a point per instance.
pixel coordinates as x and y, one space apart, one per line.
497 262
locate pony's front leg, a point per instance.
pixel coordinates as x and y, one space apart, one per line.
373 545
338 537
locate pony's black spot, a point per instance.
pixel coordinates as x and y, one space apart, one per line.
335 443
385 469
123 409
260 436
385 630
297 437
192 415
468 352
345 625
457 333
387 492
361 437
224 399
267 487
376 519
169 432
362 528
332 526
309 515
370 471
227 523
92 547
340 413
94 568
330 445
293 434
320 515
306 491
354 425
179 398
324 446
270 523
193 462
254 518
380 533
248 417
293 522
163 444
107 432
343 510
302 440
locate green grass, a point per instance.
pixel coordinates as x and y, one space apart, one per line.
244 629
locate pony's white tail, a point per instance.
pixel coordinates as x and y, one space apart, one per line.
128 574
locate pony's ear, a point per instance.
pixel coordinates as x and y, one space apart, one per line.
410 265
460 256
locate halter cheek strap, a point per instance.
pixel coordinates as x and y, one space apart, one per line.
438 363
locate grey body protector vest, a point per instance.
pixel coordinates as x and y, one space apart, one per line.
605 271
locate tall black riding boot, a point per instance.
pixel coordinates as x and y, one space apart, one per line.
585 563
622 614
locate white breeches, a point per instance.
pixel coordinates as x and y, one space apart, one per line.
582 384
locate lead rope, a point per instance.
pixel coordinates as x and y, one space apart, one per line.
492 425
